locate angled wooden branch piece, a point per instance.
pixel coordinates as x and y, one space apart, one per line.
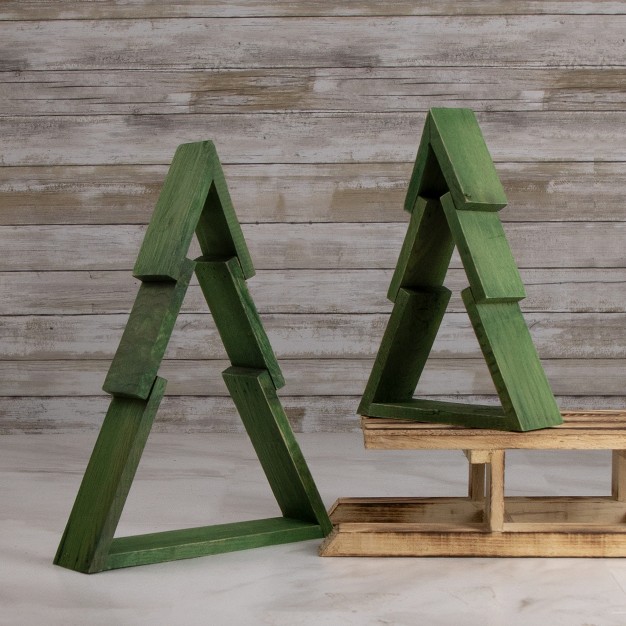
453 197
194 198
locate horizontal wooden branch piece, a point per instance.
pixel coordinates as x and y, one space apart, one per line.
193 542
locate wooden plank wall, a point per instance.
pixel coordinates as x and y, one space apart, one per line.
316 109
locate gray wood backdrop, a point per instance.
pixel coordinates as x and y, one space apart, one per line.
316 109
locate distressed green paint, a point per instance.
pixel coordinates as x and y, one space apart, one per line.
453 197
405 346
513 363
107 480
426 251
277 449
485 253
146 335
193 542
194 196
218 230
236 317
464 159
422 410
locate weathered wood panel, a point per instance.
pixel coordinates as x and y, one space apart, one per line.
531 40
87 9
347 192
308 377
56 337
319 125
327 89
302 291
308 246
192 414
301 137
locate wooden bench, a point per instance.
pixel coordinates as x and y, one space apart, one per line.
486 523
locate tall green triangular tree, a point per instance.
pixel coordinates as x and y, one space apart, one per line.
194 197
454 197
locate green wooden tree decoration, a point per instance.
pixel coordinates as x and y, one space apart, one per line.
194 198
453 197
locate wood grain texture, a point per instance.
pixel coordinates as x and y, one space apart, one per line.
305 138
317 131
236 317
405 346
531 40
193 542
106 482
214 414
194 198
485 252
146 334
85 9
310 246
310 377
316 89
348 192
426 250
298 336
278 451
569 290
513 363
464 159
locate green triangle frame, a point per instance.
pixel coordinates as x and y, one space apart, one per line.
453 197
194 197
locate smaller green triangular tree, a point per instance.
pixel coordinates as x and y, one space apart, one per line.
454 195
194 198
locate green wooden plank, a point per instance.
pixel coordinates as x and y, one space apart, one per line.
194 542
236 316
426 251
485 252
275 445
405 346
219 232
427 179
422 410
465 161
514 365
194 194
107 480
146 335
177 212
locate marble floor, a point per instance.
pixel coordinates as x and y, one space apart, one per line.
194 480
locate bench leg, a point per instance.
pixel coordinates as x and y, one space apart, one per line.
618 478
494 502
476 482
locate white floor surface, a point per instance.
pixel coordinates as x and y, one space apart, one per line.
196 480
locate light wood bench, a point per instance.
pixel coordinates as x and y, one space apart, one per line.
486 523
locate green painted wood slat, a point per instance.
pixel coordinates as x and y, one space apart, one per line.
107 480
514 365
193 542
194 197
236 317
146 335
275 445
